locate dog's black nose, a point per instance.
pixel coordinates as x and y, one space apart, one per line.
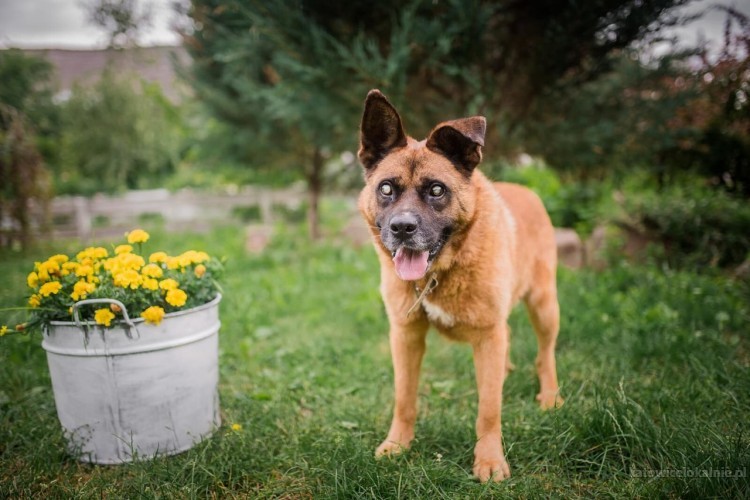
404 224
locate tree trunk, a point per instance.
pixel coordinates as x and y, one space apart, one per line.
314 188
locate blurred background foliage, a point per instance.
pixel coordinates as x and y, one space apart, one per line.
580 106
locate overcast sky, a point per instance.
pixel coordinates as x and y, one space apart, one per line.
64 24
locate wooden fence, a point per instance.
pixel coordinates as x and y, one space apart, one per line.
187 209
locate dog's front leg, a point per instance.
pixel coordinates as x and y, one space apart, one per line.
407 350
490 348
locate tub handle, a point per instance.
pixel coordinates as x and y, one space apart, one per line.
126 319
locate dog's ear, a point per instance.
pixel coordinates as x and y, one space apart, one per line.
380 131
460 141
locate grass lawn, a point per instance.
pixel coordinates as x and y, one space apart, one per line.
654 366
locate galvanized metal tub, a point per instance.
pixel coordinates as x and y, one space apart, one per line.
136 390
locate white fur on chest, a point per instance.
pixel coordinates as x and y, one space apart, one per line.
436 314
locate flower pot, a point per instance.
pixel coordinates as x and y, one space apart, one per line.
136 390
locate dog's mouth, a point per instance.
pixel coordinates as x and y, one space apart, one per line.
411 264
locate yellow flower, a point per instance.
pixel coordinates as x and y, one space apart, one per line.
150 284
123 262
157 257
123 249
81 289
191 257
176 297
59 258
152 271
173 263
35 300
137 236
47 269
200 270
153 315
128 279
103 317
91 254
3 330
50 288
32 280
84 270
184 259
168 284
236 427
71 266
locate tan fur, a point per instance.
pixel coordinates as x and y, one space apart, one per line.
502 252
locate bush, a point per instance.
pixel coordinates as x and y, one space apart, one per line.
121 133
697 227
570 204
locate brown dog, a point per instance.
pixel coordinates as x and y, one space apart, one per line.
456 252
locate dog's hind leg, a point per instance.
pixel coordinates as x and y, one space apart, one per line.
544 312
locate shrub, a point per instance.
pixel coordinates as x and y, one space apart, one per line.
697 227
570 204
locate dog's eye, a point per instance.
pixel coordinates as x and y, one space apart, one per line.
386 189
437 190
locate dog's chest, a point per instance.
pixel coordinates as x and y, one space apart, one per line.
437 314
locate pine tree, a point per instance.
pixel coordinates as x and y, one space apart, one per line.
296 72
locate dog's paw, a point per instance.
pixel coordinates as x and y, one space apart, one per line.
390 449
495 469
549 400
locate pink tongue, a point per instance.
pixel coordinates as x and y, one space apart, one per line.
410 265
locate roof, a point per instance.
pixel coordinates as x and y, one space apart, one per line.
153 64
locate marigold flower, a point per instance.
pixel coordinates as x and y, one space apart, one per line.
59 258
81 289
32 280
137 236
91 254
168 284
150 284
158 257
176 297
103 317
152 271
192 257
128 279
184 259
71 266
35 300
50 288
47 269
153 315
115 308
84 270
124 262
199 270
119 249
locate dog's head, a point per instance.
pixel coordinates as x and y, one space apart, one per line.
417 193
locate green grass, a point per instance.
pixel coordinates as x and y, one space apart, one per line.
654 366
